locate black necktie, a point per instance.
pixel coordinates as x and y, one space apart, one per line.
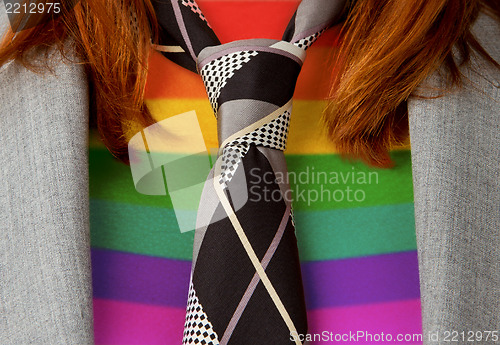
246 285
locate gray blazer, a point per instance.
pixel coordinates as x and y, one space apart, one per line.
455 143
45 280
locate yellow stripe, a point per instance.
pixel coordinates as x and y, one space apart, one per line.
162 109
306 134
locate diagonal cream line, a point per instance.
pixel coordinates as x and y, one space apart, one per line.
255 280
255 125
168 49
251 253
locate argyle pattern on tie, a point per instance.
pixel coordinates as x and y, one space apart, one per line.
246 285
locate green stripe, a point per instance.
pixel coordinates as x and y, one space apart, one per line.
110 180
138 229
346 233
322 235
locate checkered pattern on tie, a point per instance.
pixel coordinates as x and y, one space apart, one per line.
231 157
194 7
273 135
306 42
216 73
197 328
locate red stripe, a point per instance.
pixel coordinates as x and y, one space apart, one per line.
236 20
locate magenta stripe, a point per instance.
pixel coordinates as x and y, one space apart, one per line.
120 323
137 324
360 324
160 281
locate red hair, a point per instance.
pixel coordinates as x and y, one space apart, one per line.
113 39
389 47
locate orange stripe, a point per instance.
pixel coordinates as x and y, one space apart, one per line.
168 80
233 20
314 80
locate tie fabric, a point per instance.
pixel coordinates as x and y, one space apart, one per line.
245 284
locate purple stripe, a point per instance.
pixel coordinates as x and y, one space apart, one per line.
221 53
371 279
140 278
160 281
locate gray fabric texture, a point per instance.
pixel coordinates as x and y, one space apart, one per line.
455 143
312 14
45 279
238 114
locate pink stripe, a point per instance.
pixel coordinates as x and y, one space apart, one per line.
123 323
401 317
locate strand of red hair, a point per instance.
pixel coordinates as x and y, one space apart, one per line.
112 39
388 49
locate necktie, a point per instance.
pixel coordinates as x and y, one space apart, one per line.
245 285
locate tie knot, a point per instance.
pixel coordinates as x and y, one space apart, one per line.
259 69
